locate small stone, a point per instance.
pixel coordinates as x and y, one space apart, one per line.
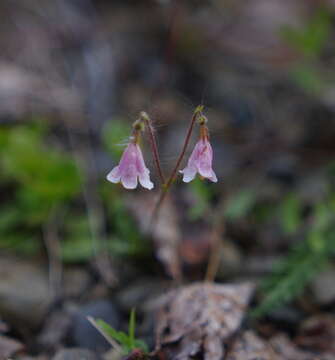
55 330
24 292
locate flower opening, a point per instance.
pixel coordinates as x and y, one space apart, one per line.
131 169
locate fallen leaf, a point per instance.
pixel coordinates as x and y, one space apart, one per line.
249 346
202 318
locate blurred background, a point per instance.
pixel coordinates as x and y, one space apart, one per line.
74 75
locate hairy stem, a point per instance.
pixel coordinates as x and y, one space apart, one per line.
154 146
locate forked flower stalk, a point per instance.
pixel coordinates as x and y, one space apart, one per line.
166 187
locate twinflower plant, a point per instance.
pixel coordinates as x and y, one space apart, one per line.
132 169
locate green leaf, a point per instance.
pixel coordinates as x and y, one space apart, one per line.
293 273
308 77
311 39
289 278
128 342
290 211
119 336
239 205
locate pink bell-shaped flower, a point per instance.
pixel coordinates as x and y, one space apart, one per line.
200 161
131 168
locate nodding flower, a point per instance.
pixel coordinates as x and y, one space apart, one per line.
131 168
201 158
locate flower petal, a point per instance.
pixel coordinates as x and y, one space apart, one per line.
142 170
129 177
213 177
205 169
128 158
144 179
114 176
189 173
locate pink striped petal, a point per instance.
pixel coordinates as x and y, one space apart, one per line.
129 177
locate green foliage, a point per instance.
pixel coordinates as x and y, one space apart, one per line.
45 176
292 274
290 212
128 341
47 172
240 204
310 42
311 39
39 178
308 77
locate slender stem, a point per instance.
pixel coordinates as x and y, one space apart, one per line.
182 154
167 185
218 230
215 253
154 146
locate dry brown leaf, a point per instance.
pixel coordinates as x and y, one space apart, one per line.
202 318
249 346
284 347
